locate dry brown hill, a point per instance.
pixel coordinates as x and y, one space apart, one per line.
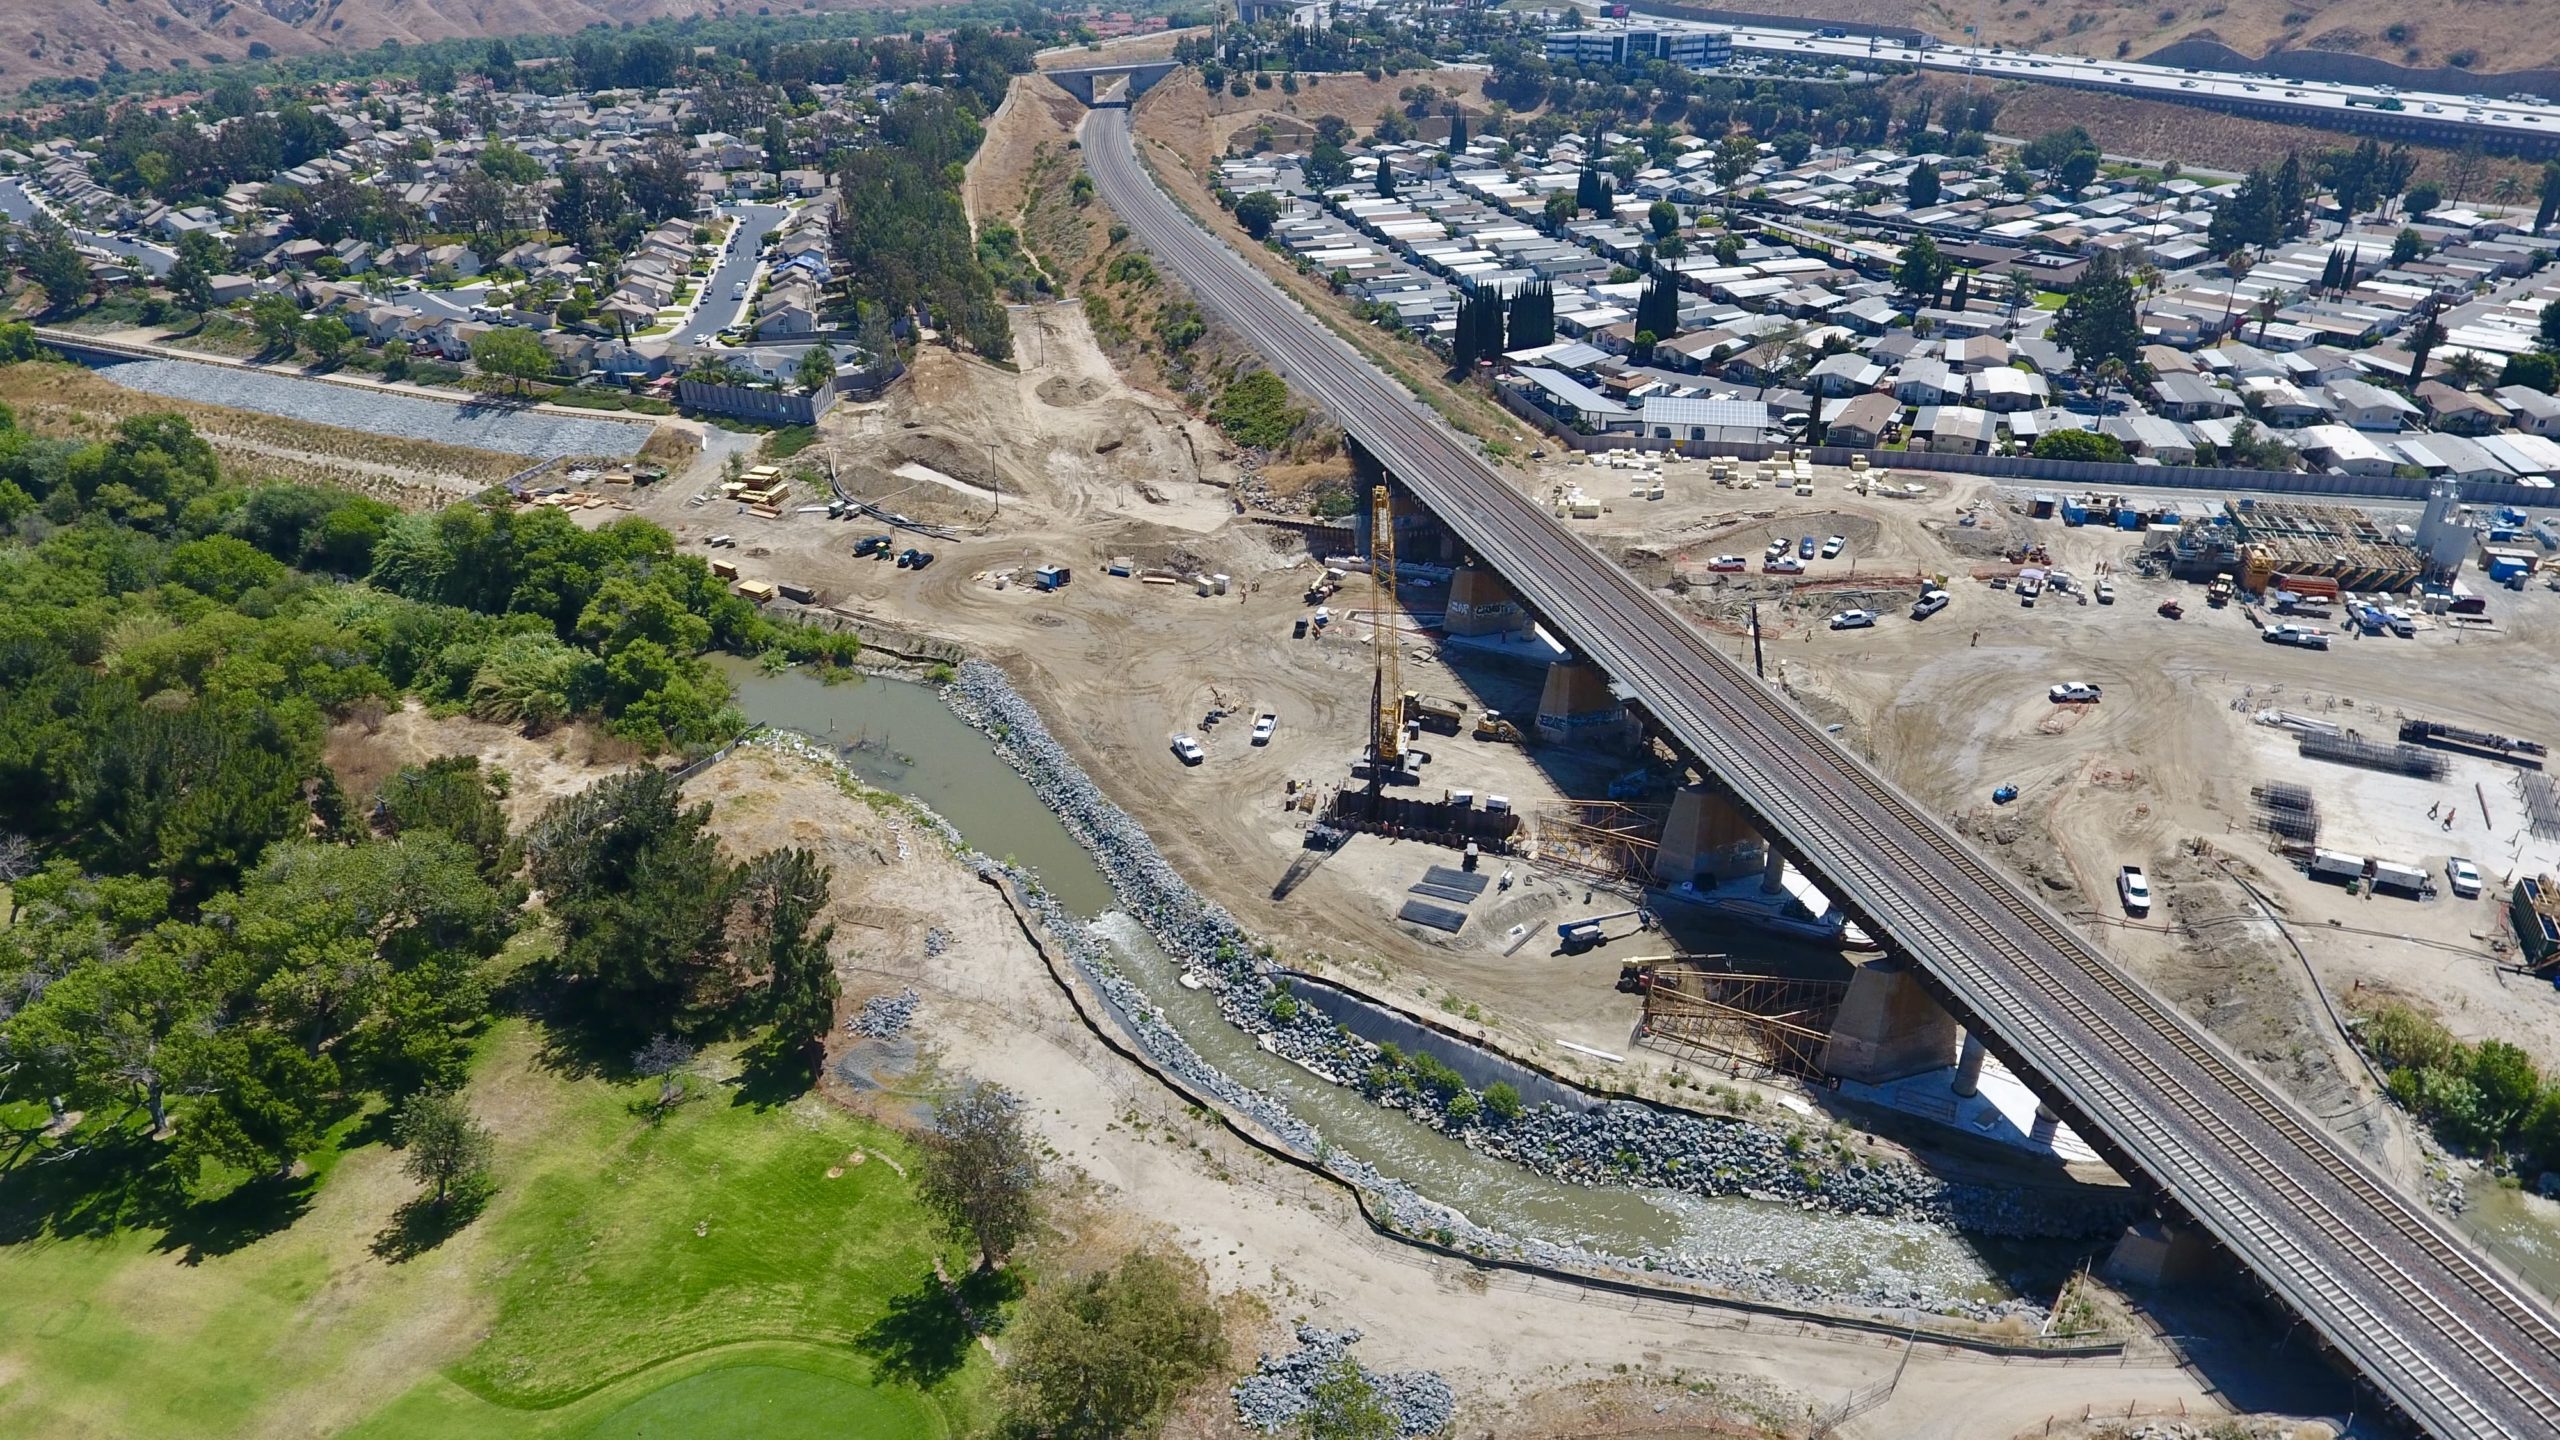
39 38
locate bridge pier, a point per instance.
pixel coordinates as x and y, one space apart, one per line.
1577 705
1968 1066
1707 838
2154 1252
1481 604
1889 1027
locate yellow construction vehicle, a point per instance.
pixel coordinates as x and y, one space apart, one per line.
1491 726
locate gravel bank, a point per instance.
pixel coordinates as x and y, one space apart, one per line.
488 427
1281 1387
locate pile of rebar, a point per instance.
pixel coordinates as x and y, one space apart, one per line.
2287 810
2374 754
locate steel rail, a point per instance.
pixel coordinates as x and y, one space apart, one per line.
2441 1334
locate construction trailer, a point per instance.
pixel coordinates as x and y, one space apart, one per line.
2534 911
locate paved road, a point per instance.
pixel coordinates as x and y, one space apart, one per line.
20 205
2453 118
2454 1344
717 312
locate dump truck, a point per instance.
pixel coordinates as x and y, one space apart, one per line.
2219 592
1433 712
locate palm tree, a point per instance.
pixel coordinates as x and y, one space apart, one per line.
2111 376
2237 262
2508 190
2466 370
2265 310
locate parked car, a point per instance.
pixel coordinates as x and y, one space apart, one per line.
738 291
1727 562
1782 565
2135 887
1263 725
1853 620
1929 603
2463 876
2073 692
1804 548
2106 592
912 558
1832 547
1776 549
1189 749
873 545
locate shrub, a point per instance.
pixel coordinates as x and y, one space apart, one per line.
1502 1101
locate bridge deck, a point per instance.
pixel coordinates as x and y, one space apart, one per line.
2442 1335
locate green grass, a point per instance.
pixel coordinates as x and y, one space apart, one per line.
626 1280
2051 299
790 440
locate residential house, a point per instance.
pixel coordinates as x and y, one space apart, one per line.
1926 381
2458 411
2342 448
2191 397
2008 391
2367 406
1844 374
2533 412
1952 429
787 310
1861 421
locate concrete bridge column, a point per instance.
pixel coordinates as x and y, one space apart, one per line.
1576 704
1481 604
1773 872
2154 1252
1889 1026
1705 839
1969 1065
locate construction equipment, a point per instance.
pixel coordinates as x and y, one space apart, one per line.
1386 725
1575 936
1491 726
2218 593
1433 712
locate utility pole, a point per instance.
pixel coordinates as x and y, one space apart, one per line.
1757 668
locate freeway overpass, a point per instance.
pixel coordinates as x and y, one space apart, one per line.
2441 1335
2530 127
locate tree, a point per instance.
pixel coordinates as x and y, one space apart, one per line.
1560 211
1105 1354
1385 179
1658 305
191 279
452 794
1327 165
777 145
1663 218
2424 337
1343 1405
1735 157
327 339
277 320
2077 171
979 1170
1923 186
511 353
1923 271
2549 194
443 1148
2539 369
2422 197
2466 369
2406 246
642 896
54 263
2507 1081
784 891
1590 192
1532 322
2547 329
816 370
1257 213
2051 148
2078 445
2100 322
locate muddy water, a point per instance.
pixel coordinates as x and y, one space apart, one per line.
900 737
2520 1229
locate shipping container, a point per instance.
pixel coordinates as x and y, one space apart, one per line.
2336 866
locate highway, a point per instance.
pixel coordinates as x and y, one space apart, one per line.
2461 1350
2533 126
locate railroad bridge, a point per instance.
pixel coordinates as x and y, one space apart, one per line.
1111 86
2438 1332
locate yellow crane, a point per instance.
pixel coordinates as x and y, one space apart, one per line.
1386 736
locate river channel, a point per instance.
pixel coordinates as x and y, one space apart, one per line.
900 737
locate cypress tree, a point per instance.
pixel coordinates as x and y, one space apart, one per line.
1457 132
1533 316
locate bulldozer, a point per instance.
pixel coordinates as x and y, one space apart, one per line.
1491 726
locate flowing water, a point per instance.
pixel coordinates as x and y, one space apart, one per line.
900 737
2521 1229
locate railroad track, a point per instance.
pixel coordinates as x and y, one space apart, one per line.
2454 1344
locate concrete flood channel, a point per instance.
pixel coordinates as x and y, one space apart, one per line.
910 739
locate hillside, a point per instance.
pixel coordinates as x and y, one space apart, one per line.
40 38
2486 36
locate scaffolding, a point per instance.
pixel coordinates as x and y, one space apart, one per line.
1757 1024
1605 839
2331 542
